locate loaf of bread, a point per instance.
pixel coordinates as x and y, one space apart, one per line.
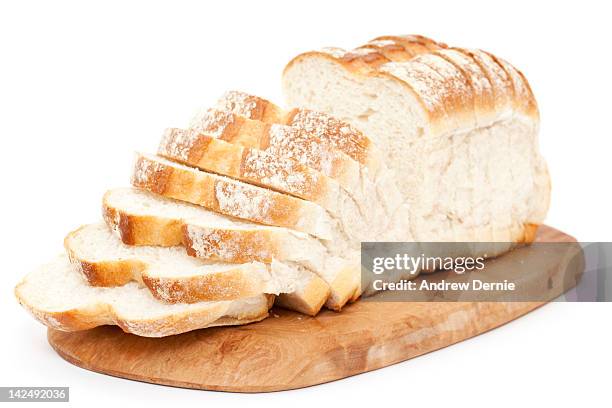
458 128
400 139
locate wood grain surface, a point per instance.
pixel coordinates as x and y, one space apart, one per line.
289 350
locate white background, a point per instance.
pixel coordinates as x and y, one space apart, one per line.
83 86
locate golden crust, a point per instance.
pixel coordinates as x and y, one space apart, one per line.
226 285
345 284
141 229
402 48
391 51
524 99
364 63
251 107
447 110
529 233
309 300
482 91
248 245
419 42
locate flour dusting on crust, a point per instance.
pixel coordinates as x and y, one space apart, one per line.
480 84
382 43
334 51
454 82
178 143
305 148
231 245
243 201
281 173
212 122
239 103
339 134
145 171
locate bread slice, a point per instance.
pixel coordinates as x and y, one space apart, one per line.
254 166
171 275
231 197
57 295
446 140
142 218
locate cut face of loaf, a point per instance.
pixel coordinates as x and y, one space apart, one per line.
141 218
459 128
170 274
59 297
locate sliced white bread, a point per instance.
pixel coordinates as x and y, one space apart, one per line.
254 166
249 202
293 143
231 197
470 170
317 140
170 274
320 128
359 209
142 218
279 139
59 297
356 211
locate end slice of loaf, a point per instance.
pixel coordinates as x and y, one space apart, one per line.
59 297
170 274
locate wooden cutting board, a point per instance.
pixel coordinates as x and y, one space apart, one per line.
289 350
